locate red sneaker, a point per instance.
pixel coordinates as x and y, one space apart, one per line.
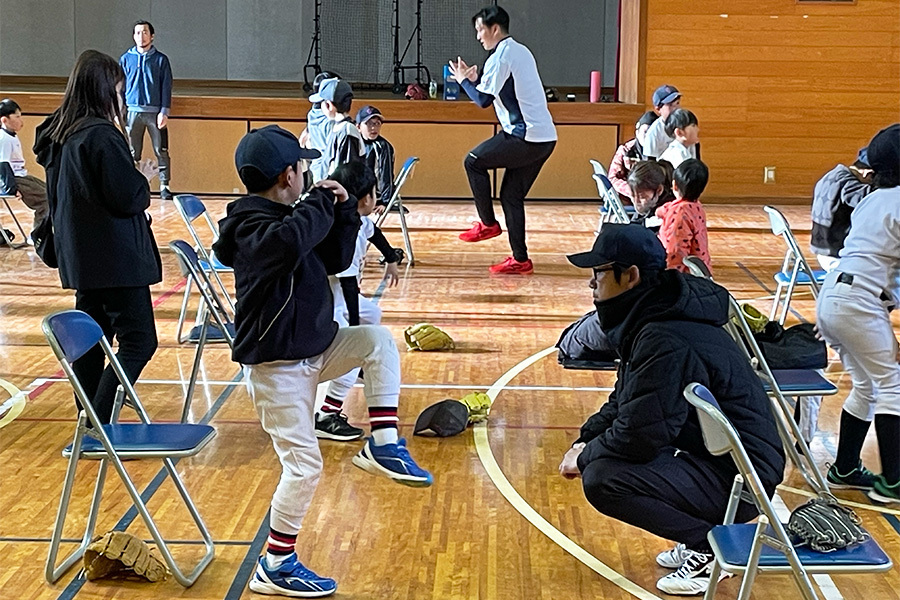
480 232
511 266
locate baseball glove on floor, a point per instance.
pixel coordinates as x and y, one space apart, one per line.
479 405
120 554
427 337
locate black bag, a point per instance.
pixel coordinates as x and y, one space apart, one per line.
824 525
792 348
42 236
583 342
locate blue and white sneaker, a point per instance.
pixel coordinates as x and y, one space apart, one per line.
394 461
290 578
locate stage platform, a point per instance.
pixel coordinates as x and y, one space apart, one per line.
208 120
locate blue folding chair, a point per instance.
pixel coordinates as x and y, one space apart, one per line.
765 547
397 201
7 193
191 208
71 334
795 270
214 309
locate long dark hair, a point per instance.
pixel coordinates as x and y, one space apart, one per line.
91 92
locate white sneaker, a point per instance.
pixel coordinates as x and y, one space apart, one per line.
674 558
692 577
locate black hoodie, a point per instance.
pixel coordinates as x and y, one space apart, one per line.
97 201
671 337
282 256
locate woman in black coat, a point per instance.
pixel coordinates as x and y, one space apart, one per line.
104 246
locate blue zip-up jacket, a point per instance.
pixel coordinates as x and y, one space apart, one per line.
148 81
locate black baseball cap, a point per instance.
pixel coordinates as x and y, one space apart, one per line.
332 90
270 150
665 94
366 113
883 152
447 417
625 244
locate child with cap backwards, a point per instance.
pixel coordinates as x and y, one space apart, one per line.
350 306
344 143
666 100
282 250
379 154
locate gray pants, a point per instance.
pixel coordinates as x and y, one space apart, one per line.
135 124
34 195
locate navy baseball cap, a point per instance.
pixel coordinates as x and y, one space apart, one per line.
332 90
883 152
447 417
270 150
665 94
625 244
366 113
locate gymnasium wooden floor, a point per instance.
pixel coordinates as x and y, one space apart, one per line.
460 538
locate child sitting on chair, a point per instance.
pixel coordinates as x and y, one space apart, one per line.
683 231
379 154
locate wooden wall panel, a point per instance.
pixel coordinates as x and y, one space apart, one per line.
775 83
567 173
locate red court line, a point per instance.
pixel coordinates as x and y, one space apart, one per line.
165 296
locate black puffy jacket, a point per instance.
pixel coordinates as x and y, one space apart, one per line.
281 257
673 336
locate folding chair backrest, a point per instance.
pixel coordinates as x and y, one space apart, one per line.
780 227
598 167
697 267
191 208
405 172
611 199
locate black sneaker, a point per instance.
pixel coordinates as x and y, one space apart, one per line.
882 492
9 234
859 478
334 426
165 193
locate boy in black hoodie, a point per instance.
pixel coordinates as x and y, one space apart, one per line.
282 250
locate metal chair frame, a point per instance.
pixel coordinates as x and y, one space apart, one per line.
67 350
396 200
190 208
794 267
720 438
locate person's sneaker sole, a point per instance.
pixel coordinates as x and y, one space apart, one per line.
270 589
371 466
845 486
877 497
325 435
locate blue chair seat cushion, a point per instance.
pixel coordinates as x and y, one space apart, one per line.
218 266
802 278
801 381
157 438
629 209
213 334
734 541
588 365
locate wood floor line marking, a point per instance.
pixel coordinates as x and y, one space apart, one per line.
872 507
483 447
13 406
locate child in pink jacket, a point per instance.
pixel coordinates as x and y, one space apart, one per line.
683 231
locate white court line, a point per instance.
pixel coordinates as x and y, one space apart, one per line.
826 584
408 386
482 445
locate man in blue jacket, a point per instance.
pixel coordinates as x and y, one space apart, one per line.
641 458
148 96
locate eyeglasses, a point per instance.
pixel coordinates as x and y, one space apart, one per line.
598 270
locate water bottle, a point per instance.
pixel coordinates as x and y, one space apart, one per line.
432 89
451 88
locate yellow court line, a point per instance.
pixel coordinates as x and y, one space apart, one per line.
881 509
15 404
482 445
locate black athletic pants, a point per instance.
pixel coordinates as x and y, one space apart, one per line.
138 122
522 161
127 314
677 497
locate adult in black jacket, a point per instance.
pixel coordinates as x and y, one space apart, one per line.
641 457
104 245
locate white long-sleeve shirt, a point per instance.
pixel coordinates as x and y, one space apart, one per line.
871 252
11 152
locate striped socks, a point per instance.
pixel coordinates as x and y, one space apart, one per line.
332 406
383 420
278 547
